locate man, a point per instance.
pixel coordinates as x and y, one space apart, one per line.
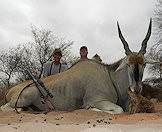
54 66
83 53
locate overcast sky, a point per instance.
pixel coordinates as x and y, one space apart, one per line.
86 22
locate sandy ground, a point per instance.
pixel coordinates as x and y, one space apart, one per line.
81 121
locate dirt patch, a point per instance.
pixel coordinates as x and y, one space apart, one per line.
78 120
137 117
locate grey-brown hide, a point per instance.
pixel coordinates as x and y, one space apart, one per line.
87 84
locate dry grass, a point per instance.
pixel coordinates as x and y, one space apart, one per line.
139 104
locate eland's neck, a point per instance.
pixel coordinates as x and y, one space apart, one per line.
122 81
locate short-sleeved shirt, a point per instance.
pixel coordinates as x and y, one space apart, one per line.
50 68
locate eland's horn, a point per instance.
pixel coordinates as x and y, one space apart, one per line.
126 46
144 43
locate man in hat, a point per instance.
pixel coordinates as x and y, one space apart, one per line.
54 66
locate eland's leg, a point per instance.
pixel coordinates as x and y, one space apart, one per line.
6 108
108 107
27 98
10 106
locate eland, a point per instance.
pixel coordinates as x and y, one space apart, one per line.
88 84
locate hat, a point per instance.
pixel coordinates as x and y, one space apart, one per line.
57 51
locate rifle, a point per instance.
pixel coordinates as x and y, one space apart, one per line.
45 94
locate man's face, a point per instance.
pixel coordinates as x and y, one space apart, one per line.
83 52
57 57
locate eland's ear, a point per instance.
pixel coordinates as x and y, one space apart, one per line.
125 44
144 43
